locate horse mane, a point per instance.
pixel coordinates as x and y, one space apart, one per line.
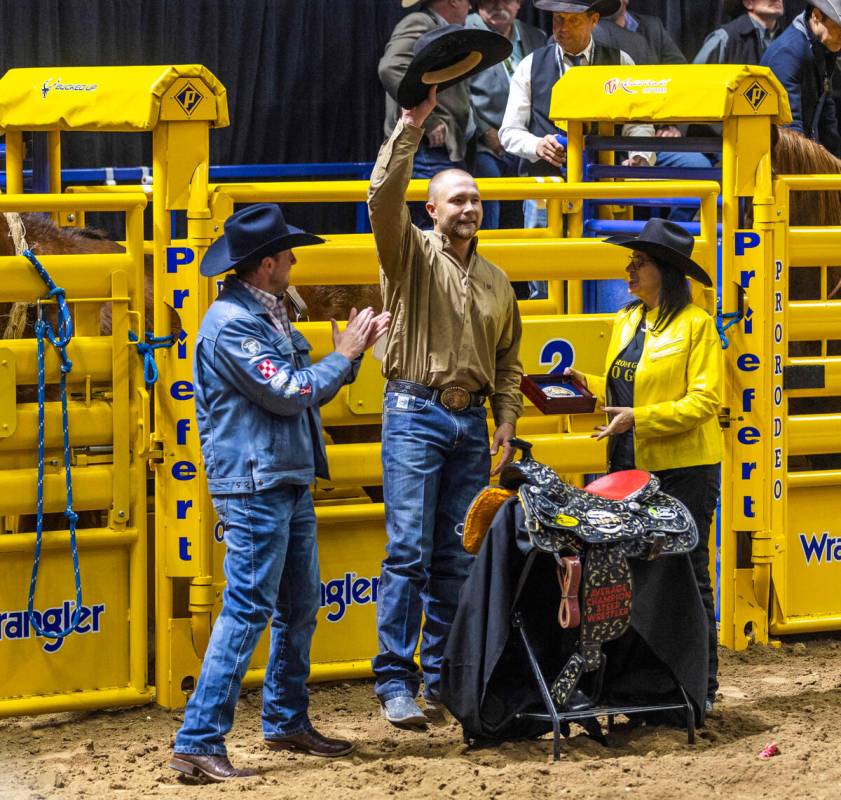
795 154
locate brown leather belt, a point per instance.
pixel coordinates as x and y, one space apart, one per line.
453 398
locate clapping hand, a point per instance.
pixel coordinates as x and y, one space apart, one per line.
363 329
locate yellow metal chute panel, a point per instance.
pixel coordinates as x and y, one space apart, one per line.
8 393
64 647
673 93
110 98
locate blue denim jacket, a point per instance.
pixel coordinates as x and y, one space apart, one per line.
257 398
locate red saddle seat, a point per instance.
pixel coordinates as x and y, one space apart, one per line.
619 485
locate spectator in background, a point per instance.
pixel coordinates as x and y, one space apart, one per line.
527 132
609 34
450 125
803 58
663 50
663 47
489 91
754 25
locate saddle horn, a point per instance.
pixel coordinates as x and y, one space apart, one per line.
523 446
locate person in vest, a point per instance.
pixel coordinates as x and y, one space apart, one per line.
754 25
527 132
450 126
803 58
489 92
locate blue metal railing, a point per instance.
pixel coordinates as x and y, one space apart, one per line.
360 170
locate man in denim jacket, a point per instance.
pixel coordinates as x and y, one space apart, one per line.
257 400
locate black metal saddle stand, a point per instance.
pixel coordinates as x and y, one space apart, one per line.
560 717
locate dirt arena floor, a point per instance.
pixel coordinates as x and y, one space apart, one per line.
790 695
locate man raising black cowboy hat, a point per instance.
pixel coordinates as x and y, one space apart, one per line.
255 388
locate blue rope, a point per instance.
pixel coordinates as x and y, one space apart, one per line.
59 340
733 318
147 350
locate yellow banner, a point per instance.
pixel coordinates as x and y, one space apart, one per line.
95 654
675 93
110 98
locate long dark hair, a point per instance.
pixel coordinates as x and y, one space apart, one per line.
674 293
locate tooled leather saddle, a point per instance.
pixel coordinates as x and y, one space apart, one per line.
592 532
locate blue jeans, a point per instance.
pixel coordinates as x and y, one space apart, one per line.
429 161
535 217
434 463
682 161
271 567
489 166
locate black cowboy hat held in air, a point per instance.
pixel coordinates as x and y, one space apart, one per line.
669 243
257 230
444 56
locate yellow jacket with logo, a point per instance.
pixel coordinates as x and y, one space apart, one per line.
677 388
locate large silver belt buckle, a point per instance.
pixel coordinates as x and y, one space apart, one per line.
455 398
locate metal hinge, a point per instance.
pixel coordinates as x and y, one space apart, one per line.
724 418
156 449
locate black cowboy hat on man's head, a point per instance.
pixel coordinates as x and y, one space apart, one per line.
669 243
255 231
444 56
604 8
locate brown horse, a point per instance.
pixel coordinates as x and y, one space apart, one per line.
335 302
45 237
794 154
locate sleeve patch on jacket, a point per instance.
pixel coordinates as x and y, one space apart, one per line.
266 368
279 379
250 346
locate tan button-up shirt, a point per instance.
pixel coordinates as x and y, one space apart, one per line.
450 324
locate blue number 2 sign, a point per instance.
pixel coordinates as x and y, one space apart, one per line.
557 354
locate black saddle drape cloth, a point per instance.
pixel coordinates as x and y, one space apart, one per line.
486 678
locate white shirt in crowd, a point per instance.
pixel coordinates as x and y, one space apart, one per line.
515 136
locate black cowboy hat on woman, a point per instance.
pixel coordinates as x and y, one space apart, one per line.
661 387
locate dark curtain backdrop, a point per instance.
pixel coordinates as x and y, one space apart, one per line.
301 75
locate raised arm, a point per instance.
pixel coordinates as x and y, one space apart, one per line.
394 234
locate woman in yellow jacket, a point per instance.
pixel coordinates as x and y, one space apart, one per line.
661 388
